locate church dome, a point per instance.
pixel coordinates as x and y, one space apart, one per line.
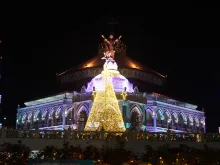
120 83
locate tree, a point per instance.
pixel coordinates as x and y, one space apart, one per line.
14 153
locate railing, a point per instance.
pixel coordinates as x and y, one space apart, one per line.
85 135
101 135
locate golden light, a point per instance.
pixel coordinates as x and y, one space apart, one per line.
88 65
106 106
134 66
124 95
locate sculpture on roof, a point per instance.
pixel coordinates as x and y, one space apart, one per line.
110 45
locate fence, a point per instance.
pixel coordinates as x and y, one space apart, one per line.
101 135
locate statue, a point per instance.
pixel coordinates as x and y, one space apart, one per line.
110 46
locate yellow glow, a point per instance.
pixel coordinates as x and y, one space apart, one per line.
124 95
93 94
105 112
134 66
89 65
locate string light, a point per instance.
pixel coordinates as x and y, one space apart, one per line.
105 112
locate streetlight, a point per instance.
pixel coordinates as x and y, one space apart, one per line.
4 118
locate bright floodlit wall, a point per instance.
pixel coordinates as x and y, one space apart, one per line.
140 110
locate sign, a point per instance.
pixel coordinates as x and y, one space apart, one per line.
60 162
218 129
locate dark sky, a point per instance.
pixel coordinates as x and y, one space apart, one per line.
183 43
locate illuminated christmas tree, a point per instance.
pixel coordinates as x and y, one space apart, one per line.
105 113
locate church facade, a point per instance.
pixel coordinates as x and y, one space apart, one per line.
141 111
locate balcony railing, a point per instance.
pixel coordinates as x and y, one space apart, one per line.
85 135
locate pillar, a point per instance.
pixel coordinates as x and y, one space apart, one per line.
155 123
64 119
204 125
155 117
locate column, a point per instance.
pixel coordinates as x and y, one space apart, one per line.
64 111
155 123
64 118
155 117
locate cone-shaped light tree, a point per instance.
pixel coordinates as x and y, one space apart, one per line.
105 113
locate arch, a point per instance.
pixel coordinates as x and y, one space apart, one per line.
51 112
24 117
190 118
167 114
182 119
29 115
136 109
58 111
82 108
183 116
160 114
36 114
136 117
149 115
150 111
69 109
43 113
136 112
196 120
175 117
190 121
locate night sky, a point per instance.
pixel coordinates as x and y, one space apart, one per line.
183 44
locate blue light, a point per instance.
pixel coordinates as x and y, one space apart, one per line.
128 125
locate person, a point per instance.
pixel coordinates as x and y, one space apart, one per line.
110 45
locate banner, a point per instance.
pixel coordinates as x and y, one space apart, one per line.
60 162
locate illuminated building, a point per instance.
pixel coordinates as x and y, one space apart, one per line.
141 109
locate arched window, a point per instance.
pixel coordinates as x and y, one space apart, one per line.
136 118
